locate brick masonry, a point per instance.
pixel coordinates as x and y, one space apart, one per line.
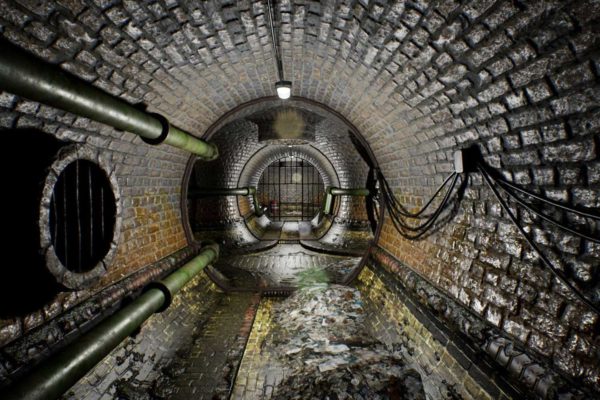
394 322
244 158
498 363
22 350
419 79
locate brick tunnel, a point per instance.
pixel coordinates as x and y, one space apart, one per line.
420 219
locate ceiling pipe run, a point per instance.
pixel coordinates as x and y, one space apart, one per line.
27 76
57 374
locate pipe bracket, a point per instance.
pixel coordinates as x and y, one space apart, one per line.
164 122
165 291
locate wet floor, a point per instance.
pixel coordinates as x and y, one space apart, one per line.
215 345
207 368
283 266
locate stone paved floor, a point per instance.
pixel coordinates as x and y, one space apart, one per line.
138 361
258 373
282 265
206 366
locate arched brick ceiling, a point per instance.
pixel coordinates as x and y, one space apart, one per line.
418 79
255 167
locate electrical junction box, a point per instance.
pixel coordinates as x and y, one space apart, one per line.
459 161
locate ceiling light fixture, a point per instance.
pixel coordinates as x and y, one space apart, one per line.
283 87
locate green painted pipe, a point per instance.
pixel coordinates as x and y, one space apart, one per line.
205 192
26 75
56 375
349 192
327 202
257 208
330 192
242 191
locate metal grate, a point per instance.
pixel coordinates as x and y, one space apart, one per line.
82 216
292 190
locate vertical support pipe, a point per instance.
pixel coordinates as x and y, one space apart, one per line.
56 375
25 75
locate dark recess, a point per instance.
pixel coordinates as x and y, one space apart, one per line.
26 285
82 216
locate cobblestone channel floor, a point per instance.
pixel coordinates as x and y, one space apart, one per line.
206 370
258 375
190 351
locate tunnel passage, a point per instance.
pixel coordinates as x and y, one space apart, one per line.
291 189
290 154
473 301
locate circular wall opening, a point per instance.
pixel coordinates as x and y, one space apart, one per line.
82 217
291 189
79 217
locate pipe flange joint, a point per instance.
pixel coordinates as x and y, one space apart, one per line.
212 245
164 122
166 292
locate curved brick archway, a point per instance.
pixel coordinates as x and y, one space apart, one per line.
518 80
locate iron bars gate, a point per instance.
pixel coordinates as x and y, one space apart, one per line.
292 190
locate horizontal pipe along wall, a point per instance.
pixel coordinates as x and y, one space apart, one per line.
518 80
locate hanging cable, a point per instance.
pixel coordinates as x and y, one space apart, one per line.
551 202
489 180
424 228
540 214
398 212
400 209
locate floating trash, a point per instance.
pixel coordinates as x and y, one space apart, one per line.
318 334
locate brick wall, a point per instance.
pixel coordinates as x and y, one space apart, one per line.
418 79
149 184
244 158
395 324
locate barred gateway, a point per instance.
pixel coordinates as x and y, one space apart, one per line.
292 188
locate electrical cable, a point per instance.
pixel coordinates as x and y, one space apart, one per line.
391 200
489 180
552 202
433 217
400 208
274 41
397 211
548 219
395 207
429 223
541 214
